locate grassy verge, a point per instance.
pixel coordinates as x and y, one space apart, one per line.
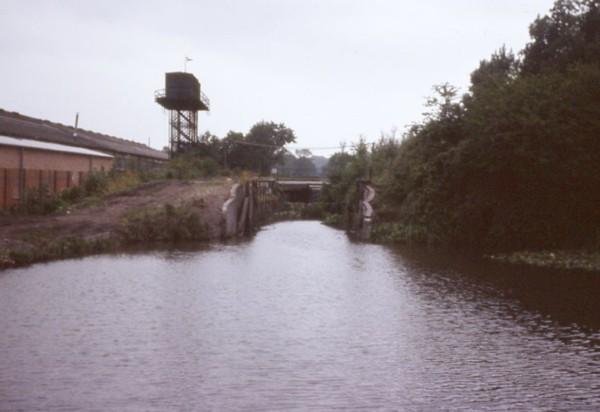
334 219
45 248
168 224
393 232
98 185
164 224
94 188
298 211
557 259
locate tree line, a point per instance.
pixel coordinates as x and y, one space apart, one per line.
259 150
513 163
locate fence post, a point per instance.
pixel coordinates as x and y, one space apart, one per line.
5 199
21 179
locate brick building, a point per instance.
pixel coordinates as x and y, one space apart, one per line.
36 153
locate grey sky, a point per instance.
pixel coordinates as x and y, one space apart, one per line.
331 70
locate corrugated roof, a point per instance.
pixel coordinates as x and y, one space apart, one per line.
54 147
17 125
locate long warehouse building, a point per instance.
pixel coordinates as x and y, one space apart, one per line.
36 153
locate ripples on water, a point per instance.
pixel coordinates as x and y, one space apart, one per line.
297 318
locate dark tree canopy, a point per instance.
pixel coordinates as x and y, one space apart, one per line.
259 150
292 166
514 163
570 33
265 142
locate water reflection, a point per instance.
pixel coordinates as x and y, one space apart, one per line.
299 318
568 297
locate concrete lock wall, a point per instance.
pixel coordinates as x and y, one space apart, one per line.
248 204
251 202
363 222
24 169
231 209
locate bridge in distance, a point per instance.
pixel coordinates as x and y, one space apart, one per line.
301 189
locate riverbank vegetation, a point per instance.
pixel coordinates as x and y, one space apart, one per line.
512 164
154 214
42 248
167 223
97 185
179 201
557 259
236 154
257 151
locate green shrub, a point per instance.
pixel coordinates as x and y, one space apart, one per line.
38 202
43 247
93 188
72 195
312 211
118 182
333 219
191 166
95 183
167 224
400 233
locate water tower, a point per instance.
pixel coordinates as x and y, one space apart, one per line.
183 99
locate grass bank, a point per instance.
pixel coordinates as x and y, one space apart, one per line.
164 212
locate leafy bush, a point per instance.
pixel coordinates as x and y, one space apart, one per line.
47 246
398 233
118 182
333 219
312 211
190 166
95 185
38 202
167 224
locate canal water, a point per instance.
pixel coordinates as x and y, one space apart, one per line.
297 318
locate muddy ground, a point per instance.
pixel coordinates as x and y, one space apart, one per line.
103 218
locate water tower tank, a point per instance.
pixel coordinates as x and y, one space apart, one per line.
183 99
182 86
182 92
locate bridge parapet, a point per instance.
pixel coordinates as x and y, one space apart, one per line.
301 189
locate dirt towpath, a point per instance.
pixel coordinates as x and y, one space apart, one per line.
103 219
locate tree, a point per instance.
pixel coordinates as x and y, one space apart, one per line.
264 145
210 146
303 153
514 164
305 167
570 33
495 72
233 153
292 166
444 121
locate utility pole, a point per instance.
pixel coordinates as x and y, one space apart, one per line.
76 124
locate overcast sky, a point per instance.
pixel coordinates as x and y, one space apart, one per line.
329 69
